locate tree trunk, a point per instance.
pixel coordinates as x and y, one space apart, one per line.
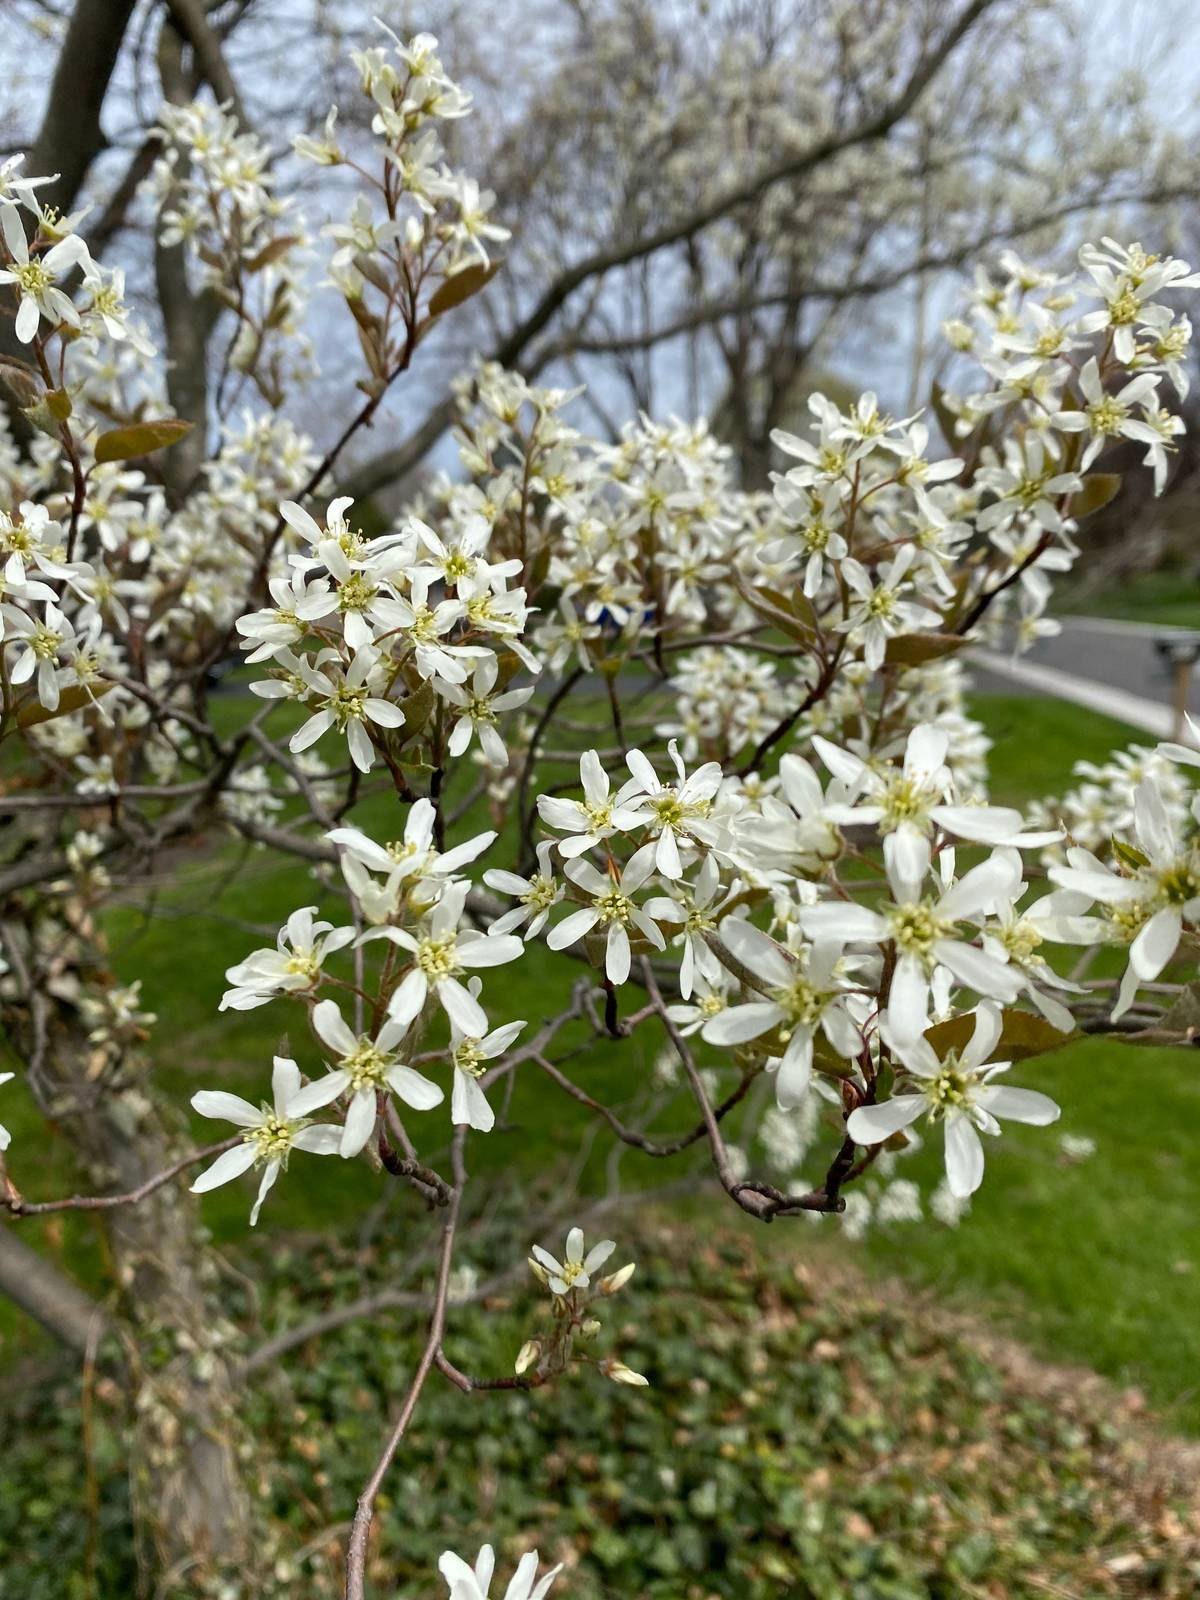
194 1512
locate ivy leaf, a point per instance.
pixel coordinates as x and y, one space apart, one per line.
140 438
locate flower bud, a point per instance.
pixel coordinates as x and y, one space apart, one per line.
590 1328
527 1355
618 1280
538 1271
620 1373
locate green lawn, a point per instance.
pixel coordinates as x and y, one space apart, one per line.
1170 598
1090 1262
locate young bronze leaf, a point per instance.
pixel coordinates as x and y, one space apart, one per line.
461 286
122 444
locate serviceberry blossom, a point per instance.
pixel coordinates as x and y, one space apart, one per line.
925 931
672 812
347 701
364 1068
272 1132
575 1270
799 993
474 1583
441 954
536 895
612 909
598 816
37 278
958 1091
303 945
469 1056
479 708
1148 903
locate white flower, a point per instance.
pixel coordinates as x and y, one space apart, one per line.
880 614
441 955
1150 905
408 862
479 709
597 816
473 1583
469 1055
272 1132
695 908
1157 429
925 932
957 1091
801 995
536 895
302 946
576 1268
43 642
611 907
37 278
279 627
708 1000
347 703
364 1068
1105 416
671 811
909 802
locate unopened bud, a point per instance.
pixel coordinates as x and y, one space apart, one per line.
617 1280
527 1355
620 1373
590 1328
538 1271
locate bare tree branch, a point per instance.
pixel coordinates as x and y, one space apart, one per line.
48 1295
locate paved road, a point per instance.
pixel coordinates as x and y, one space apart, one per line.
1105 665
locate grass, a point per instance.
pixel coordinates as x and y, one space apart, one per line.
1088 1262
1169 598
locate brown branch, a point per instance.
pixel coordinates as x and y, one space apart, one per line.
360 1528
191 21
16 1203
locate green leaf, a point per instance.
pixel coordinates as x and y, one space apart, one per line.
461 286
913 649
140 438
1128 854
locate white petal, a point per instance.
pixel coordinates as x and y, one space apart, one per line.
964 1157
874 1124
231 1164
1019 1105
360 1122
228 1107
414 1088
